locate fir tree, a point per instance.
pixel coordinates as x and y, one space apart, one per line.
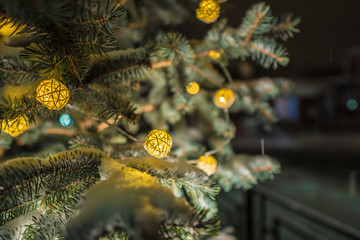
110 67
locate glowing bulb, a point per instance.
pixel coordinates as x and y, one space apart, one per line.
53 94
65 120
193 88
214 54
10 28
207 164
224 98
158 143
352 104
16 126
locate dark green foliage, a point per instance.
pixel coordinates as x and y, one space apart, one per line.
15 72
129 151
11 109
285 26
25 106
117 151
175 178
115 236
94 41
213 117
179 233
85 30
174 47
125 66
42 16
36 16
268 53
172 12
69 61
206 75
190 228
257 21
44 227
98 15
182 179
87 141
245 171
56 182
253 38
105 104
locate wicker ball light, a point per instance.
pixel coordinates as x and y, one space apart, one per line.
207 164
53 94
158 143
193 88
10 29
16 126
224 98
208 11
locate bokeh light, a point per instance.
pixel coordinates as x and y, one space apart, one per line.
65 120
351 104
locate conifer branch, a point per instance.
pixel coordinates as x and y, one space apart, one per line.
285 26
227 73
73 66
203 54
122 69
104 121
57 131
15 72
266 52
127 65
136 24
259 16
205 75
27 181
42 197
110 12
168 63
96 20
147 108
161 64
36 175
18 71
121 2
218 148
264 112
68 55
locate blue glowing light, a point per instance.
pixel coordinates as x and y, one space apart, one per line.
287 108
352 104
65 119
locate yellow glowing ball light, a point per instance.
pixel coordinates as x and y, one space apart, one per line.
208 11
224 98
214 54
53 94
193 88
16 126
207 164
158 143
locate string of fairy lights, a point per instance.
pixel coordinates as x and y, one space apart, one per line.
55 95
